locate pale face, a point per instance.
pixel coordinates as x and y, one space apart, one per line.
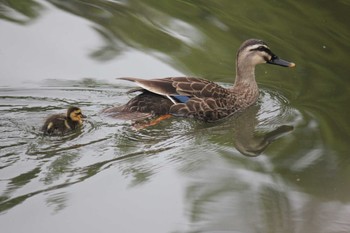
77 116
257 54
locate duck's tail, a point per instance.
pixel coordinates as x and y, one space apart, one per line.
119 112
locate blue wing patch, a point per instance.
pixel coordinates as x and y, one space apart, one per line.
181 98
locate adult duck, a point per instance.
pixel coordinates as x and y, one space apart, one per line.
199 98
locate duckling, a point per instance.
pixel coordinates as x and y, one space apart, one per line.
61 123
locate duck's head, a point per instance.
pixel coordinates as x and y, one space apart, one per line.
253 52
75 114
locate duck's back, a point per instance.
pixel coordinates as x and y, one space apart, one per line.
54 124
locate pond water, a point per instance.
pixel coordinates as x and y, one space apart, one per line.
282 165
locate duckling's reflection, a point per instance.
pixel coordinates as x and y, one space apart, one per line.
245 138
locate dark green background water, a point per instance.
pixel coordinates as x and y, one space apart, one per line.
181 175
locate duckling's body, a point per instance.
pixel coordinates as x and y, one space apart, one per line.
199 98
62 123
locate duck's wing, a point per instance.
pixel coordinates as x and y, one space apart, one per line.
181 86
53 121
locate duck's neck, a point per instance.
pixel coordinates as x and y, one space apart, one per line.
245 87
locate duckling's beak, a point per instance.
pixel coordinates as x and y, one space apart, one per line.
278 61
82 118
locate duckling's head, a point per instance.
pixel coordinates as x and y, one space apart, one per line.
75 114
253 52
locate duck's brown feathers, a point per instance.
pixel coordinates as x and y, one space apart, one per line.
207 101
187 86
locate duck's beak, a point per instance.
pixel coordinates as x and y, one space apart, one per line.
82 117
278 61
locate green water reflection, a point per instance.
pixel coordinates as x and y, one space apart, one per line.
191 171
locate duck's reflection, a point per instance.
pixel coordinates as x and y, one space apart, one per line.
246 138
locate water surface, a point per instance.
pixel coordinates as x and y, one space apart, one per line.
280 166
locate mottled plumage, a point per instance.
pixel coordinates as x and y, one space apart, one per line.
62 123
200 98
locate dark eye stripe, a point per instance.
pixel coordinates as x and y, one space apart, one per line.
261 48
